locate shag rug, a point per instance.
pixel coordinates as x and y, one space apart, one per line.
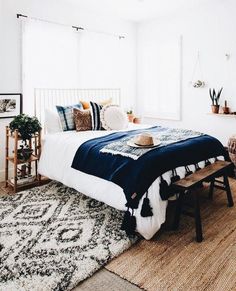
53 237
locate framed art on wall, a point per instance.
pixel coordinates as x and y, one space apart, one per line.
10 104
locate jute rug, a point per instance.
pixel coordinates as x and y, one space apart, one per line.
174 261
53 237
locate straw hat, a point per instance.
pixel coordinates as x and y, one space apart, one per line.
143 140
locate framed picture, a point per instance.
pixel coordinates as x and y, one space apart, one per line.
10 105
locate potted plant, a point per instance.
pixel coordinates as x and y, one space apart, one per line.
215 97
27 126
226 109
130 115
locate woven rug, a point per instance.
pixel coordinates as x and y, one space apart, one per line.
173 260
52 237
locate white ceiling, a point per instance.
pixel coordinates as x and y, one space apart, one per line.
137 10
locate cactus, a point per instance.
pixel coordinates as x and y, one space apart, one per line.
215 97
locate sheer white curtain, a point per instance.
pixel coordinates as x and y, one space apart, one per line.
101 61
49 58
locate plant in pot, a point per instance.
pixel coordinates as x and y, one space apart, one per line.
130 115
27 126
215 97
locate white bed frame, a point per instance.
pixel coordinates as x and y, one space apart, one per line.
48 98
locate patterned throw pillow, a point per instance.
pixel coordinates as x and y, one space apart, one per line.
95 113
83 120
66 116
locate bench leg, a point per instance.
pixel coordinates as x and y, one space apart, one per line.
228 191
210 195
178 211
198 223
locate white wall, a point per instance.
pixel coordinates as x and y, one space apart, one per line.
209 29
63 12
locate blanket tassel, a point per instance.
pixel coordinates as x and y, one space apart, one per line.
146 210
175 177
188 171
126 220
129 223
164 189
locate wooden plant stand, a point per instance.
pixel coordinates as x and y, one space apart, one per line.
14 139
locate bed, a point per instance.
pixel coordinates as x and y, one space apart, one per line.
59 150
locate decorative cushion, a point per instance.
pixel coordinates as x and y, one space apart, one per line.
113 117
106 102
95 113
52 122
85 104
83 120
66 116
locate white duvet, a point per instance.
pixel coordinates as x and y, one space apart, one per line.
55 163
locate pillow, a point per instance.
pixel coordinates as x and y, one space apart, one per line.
52 122
113 117
95 114
83 120
66 116
85 105
105 102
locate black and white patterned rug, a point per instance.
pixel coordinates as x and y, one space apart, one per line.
53 237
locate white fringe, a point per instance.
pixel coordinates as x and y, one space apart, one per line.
113 152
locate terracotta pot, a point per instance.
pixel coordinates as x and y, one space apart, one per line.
137 120
130 117
215 108
226 110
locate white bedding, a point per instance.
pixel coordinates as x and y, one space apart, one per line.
55 163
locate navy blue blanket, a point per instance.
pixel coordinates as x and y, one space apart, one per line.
136 176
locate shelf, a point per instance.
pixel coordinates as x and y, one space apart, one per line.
12 135
36 181
223 115
19 162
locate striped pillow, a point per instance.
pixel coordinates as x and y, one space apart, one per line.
66 116
95 114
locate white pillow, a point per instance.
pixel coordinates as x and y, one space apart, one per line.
113 117
52 121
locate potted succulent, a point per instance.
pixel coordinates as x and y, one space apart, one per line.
130 115
27 126
215 97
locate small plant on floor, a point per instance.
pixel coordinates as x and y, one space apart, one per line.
27 126
215 97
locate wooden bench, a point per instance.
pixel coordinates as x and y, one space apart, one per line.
188 184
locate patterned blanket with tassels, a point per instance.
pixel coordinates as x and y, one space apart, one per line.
166 136
179 148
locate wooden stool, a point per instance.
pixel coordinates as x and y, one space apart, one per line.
189 183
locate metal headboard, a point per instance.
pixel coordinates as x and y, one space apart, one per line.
48 98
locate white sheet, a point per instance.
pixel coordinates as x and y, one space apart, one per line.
55 163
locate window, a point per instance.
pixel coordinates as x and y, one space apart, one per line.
161 77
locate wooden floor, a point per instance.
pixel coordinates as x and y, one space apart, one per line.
174 261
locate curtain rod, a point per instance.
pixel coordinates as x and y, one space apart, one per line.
77 28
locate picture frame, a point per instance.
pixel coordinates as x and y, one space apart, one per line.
10 105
